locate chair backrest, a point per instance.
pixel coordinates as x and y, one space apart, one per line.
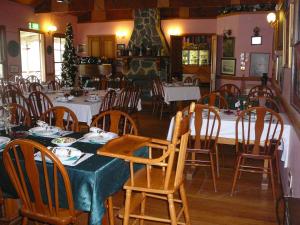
134 99
188 80
108 101
103 84
263 101
54 85
24 85
9 87
260 91
230 90
179 142
157 87
39 102
258 131
207 127
38 185
115 121
33 79
12 96
35 86
62 117
18 114
123 99
214 99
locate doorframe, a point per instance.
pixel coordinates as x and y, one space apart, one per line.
44 47
5 63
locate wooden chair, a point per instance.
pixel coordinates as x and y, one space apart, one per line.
9 87
62 117
13 96
44 205
24 85
258 135
134 100
214 99
33 79
103 84
123 100
35 86
162 176
19 114
263 101
230 90
260 91
54 85
158 100
207 125
188 80
108 101
115 121
40 103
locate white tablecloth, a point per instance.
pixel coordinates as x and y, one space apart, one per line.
83 109
227 130
181 93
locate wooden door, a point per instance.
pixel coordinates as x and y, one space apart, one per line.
213 61
102 46
94 46
176 57
108 46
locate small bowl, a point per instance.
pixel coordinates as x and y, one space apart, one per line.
63 141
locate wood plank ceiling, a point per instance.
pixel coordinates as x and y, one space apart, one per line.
107 10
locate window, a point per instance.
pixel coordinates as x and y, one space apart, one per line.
2 51
32 54
59 48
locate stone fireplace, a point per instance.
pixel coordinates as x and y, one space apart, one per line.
147 48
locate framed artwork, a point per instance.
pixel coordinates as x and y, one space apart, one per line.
120 46
81 48
228 66
259 64
295 92
256 40
228 47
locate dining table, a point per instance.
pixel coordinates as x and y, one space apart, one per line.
178 91
83 106
92 180
227 135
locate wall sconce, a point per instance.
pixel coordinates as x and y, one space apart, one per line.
175 31
51 29
227 33
271 18
121 34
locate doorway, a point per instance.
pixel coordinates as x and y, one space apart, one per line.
33 54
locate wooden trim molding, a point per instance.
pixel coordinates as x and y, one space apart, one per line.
228 77
291 112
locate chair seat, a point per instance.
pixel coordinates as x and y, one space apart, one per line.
156 182
63 217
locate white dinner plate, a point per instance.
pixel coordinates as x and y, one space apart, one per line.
3 141
101 138
63 141
45 131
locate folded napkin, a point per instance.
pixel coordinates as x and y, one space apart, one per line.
63 152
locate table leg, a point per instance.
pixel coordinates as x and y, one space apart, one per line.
265 180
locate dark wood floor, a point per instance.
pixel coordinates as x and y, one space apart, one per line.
249 206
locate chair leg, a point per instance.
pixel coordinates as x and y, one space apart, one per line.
172 209
277 167
24 221
217 160
143 206
110 211
184 204
212 166
272 178
127 207
236 174
161 110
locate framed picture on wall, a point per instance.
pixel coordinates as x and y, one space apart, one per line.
295 93
228 47
259 64
228 66
120 46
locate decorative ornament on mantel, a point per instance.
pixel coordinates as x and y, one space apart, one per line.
247 8
69 68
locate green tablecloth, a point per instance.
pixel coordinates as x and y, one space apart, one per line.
92 181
